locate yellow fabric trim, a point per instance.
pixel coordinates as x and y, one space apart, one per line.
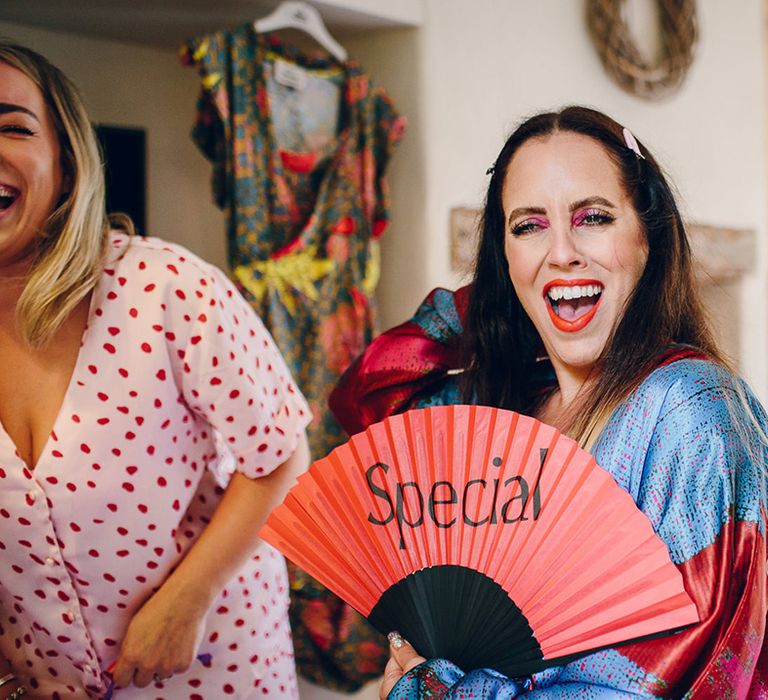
211 80
201 50
296 271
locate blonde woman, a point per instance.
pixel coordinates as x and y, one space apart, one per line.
148 426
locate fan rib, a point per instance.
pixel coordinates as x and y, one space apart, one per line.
328 497
655 587
378 442
645 565
495 548
370 558
407 551
526 549
614 633
317 559
568 553
476 455
417 460
381 551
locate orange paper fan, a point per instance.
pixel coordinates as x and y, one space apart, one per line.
485 537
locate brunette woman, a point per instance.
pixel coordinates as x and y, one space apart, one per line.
583 312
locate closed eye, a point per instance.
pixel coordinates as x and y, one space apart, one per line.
16 129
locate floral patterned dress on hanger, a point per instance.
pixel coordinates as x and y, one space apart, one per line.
299 147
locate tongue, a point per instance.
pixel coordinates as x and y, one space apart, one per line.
571 309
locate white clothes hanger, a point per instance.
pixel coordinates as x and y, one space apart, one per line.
296 14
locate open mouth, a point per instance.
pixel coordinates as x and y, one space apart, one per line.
8 196
571 303
572 306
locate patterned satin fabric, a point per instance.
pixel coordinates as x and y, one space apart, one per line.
406 367
686 449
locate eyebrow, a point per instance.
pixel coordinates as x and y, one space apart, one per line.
9 108
588 201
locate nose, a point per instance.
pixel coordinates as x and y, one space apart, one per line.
564 249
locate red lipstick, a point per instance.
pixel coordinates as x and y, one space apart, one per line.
582 321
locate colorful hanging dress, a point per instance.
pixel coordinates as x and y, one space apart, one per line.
299 146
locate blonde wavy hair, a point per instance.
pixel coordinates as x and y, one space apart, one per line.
70 247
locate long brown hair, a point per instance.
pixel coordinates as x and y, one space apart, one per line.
501 343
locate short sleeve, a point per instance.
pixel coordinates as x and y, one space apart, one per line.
389 129
230 371
380 128
207 54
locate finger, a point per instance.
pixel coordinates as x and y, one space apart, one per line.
405 655
392 674
182 665
122 672
143 677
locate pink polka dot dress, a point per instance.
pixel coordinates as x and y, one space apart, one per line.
177 384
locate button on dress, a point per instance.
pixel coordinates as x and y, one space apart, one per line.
177 384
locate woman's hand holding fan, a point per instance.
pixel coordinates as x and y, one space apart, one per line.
485 537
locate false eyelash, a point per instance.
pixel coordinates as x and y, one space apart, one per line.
16 129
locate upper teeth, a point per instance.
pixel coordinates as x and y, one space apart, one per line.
6 191
574 292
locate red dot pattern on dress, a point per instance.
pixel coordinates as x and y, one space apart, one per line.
176 385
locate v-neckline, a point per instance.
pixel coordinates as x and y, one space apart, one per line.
47 448
274 165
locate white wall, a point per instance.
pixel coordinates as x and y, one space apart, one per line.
136 86
485 64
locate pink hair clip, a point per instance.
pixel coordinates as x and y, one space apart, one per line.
632 143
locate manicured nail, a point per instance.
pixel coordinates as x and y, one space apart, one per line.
395 640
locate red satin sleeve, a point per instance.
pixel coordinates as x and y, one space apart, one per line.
402 362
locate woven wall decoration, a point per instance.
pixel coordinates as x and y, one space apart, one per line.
625 63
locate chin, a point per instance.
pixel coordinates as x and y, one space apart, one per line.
582 360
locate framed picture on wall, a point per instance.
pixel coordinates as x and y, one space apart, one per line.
464 234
